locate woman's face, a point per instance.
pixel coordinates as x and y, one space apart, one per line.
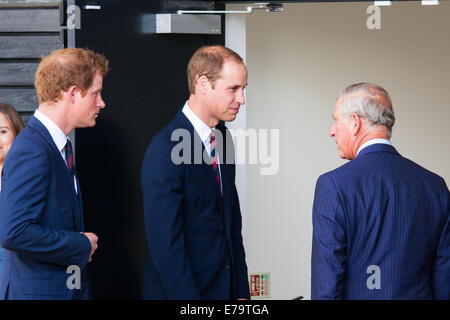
6 136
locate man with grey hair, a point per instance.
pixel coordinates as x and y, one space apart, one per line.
380 222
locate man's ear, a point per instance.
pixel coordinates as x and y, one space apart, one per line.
356 124
70 94
203 84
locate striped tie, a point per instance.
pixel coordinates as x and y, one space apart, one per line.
69 159
215 159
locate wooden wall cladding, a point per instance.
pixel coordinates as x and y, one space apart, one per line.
29 30
23 100
30 20
17 73
28 46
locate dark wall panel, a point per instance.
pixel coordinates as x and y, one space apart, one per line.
24 100
17 73
29 46
28 30
30 19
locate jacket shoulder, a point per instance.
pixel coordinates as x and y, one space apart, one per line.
168 136
29 142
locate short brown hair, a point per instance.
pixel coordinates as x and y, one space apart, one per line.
13 117
208 61
64 68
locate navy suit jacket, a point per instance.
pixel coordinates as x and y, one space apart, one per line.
194 250
41 218
381 217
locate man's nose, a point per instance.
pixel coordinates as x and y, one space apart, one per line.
332 133
241 97
101 103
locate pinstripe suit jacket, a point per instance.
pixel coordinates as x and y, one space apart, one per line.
381 230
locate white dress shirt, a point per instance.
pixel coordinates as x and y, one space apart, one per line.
371 142
202 130
57 135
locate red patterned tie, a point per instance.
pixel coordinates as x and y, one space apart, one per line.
69 159
215 159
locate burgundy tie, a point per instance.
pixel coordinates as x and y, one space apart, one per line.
69 159
215 159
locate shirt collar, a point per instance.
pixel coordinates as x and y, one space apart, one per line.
371 142
56 133
200 127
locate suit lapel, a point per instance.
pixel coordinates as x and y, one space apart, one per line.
226 179
212 181
79 221
62 169
206 167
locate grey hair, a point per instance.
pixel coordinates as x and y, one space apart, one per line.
370 102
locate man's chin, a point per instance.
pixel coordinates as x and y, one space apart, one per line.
89 124
230 118
345 157
342 155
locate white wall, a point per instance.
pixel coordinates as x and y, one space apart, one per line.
235 38
298 61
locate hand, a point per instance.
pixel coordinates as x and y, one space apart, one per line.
93 239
